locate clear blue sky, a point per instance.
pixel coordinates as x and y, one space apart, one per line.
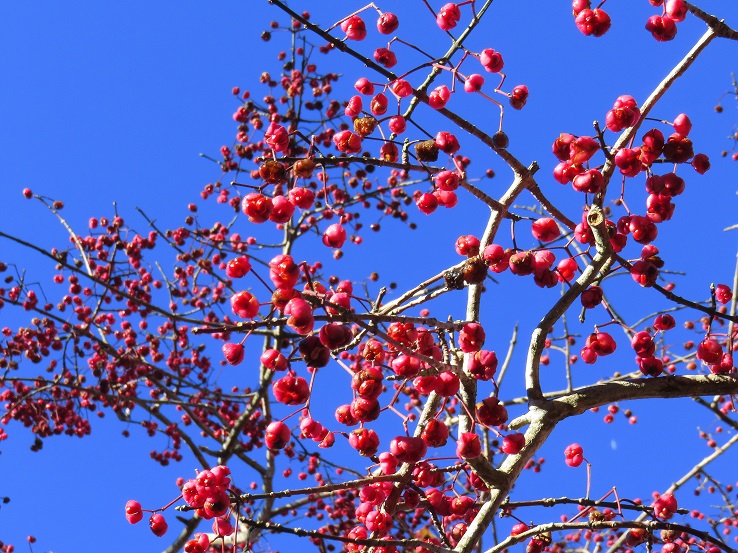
112 102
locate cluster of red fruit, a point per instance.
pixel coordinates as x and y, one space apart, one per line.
596 22
208 495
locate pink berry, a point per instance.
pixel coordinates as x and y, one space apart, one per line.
665 507
513 443
27 193
334 236
439 96
233 353
574 455
448 16
364 86
158 524
663 29
593 22
238 267
519 96
387 23
354 27
723 294
468 446
491 60
473 83
277 435
676 10
134 513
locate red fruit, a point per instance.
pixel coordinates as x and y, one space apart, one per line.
579 5
592 22
291 390
277 435
448 16
365 441
257 207
624 114
388 462
628 160
467 246
519 528
406 366
473 83
244 305
301 197
313 352
407 449
282 209
468 446
354 27
491 60
650 366
354 107
446 142
27 193
643 344
334 336
482 365
134 513
590 181
158 524
233 353
519 96
283 272
574 455
644 272
676 10
435 433
439 96
389 152
277 137
653 145
513 443
710 351
364 86
602 343
545 229
582 149
447 384
397 124
471 337
378 105
665 507
385 57
347 142
664 322
273 360
364 409
490 412
334 236
427 203
591 297
344 415
723 294
701 163
663 29
387 23
401 88
238 267
682 124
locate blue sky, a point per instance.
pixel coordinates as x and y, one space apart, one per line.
113 102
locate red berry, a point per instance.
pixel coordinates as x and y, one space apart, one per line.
158 524
387 23
134 513
574 455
